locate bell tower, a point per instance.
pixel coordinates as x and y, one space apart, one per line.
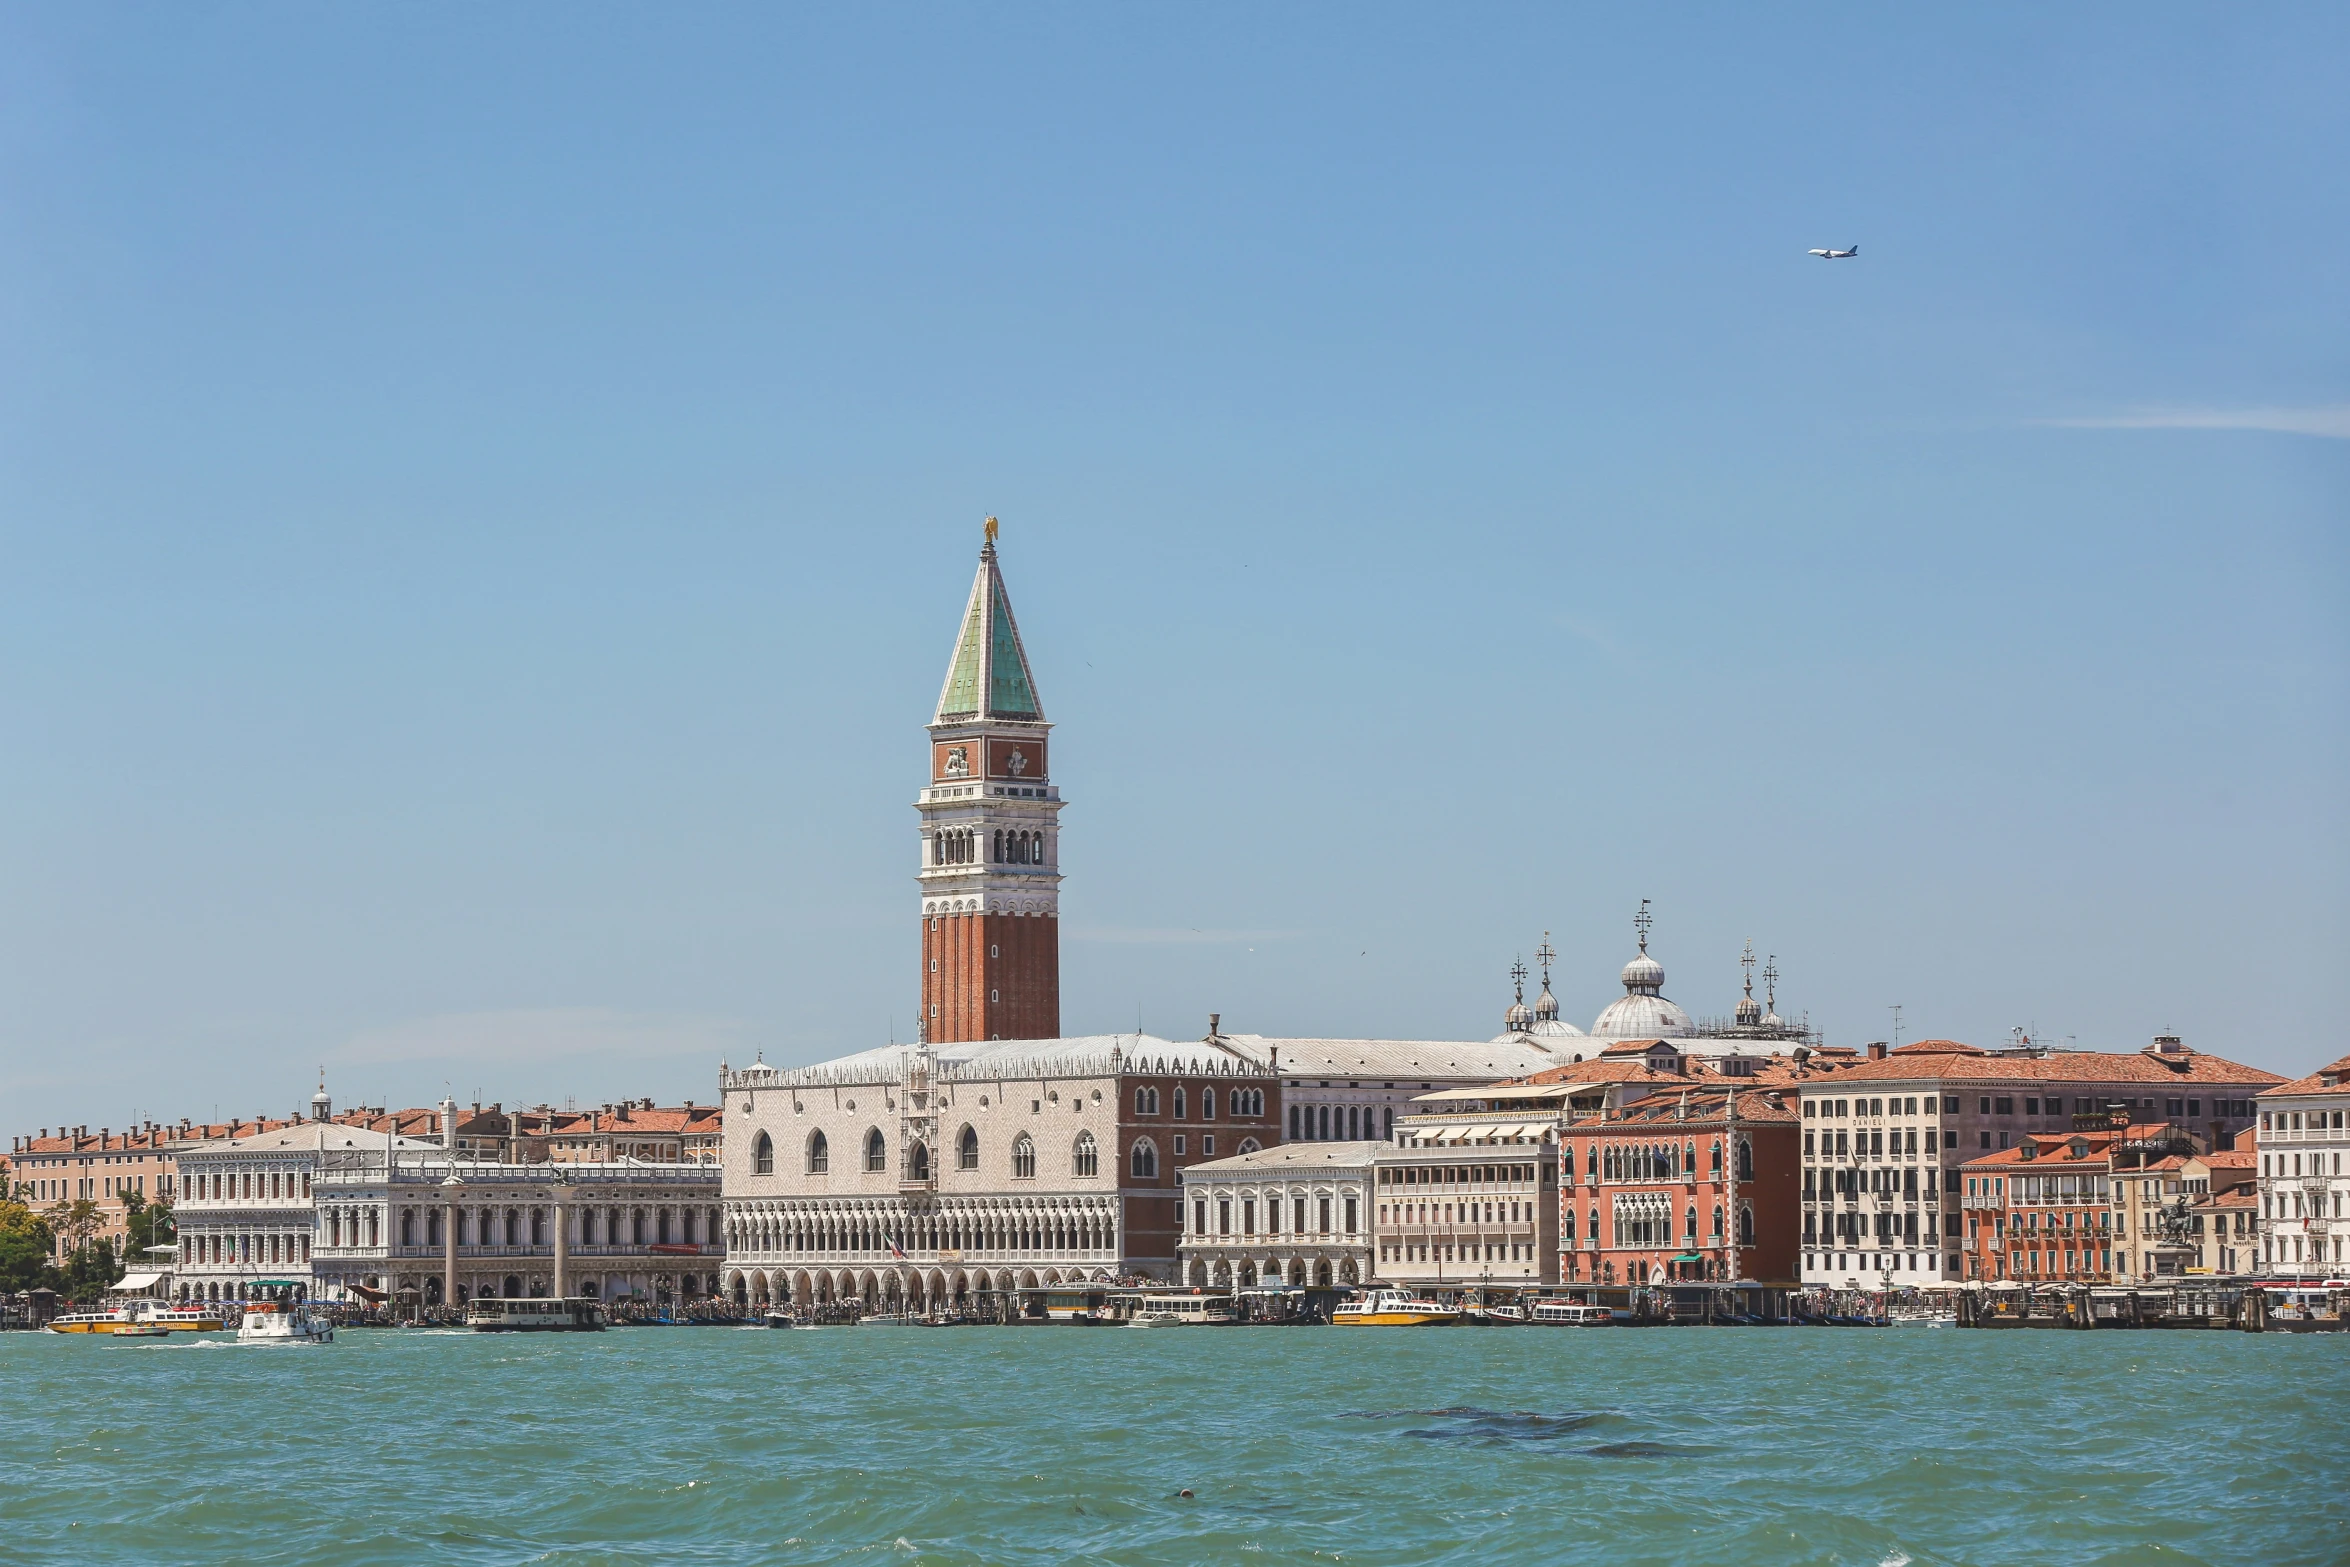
991 862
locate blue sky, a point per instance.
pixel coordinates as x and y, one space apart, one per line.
486 496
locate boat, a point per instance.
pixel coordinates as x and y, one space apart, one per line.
1506 1315
1392 1308
142 1330
138 1310
278 1318
1183 1311
892 1319
494 1314
1571 1314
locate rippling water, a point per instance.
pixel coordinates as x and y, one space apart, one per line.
1622 1446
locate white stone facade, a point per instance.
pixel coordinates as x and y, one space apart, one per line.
1296 1215
2304 1150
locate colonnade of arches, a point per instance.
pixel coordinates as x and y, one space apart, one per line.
908 1289
1296 1272
1007 1226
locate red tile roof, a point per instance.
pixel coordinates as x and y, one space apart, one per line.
1967 1065
2315 1082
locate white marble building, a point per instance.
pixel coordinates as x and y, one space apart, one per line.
248 1208
2304 1149
1297 1214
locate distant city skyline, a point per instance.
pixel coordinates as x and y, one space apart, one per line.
486 514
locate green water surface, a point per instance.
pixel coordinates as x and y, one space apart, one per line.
1002 1445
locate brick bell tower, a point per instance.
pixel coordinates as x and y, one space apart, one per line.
990 877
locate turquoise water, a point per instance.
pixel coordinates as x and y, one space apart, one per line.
1620 1446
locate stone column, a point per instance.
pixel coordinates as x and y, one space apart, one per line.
562 1242
451 1188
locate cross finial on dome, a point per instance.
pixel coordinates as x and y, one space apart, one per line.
1544 956
1641 921
1771 981
1518 977
1746 961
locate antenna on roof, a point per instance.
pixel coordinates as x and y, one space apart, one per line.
1896 1010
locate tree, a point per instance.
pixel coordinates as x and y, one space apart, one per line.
26 1245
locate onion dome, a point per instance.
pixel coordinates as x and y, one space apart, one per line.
1546 1007
1750 1012
1517 1019
1644 975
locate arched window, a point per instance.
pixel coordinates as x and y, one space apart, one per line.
819 1154
1146 1101
1249 1145
876 1153
1085 1158
998 855
920 1162
763 1155
1179 1102
1207 1104
1717 1229
1717 1168
1746 1171
1145 1162
967 1150
1689 1223
1023 1158
1746 1226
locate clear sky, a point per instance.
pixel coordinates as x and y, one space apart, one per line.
486 494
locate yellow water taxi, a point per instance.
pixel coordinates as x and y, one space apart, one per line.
139 1312
1393 1309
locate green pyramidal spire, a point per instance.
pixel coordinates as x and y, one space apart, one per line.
988 676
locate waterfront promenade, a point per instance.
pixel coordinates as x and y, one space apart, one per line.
1001 1445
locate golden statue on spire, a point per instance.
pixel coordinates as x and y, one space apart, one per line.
991 530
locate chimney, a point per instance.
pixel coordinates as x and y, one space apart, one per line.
1215 1020
1876 1050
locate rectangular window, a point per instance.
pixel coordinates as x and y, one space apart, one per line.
1325 1214
1179 1142
1350 1216
1223 1216
1207 1145
1248 1216
2005 1106
1199 1217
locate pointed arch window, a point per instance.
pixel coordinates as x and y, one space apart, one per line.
1145 1160
919 1165
819 1154
967 1150
876 1153
1207 1104
1179 1102
1086 1157
1023 1158
1746 1226
1745 1164
763 1155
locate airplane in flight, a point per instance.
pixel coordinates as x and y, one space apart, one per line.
1837 255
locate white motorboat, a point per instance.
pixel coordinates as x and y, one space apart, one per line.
535 1314
1183 1311
281 1319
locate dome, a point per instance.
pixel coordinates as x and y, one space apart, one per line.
1517 1019
1643 1016
1553 1027
1546 1005
1772 1020
1749 1012
1644 975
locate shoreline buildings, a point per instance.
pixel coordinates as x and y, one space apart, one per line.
2304 1181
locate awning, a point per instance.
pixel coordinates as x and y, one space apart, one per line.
133 1282
1474 1134
1688 1256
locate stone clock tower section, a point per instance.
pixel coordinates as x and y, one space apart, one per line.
991 902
